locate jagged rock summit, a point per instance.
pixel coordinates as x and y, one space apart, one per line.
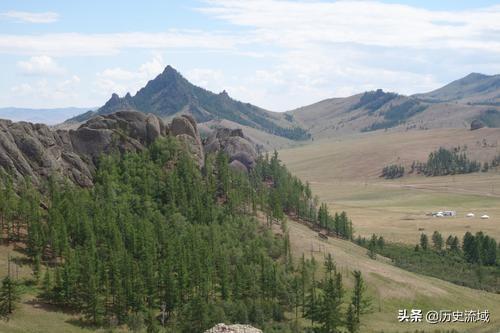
36 151
223 328
170 94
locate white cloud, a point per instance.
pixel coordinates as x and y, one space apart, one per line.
78 44
293 23
40 65
47 93
331 49
207 78
295 52
30 17
120 81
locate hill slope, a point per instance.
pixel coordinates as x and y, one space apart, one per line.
455 105
170 94
475 88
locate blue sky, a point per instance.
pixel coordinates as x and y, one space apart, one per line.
278 54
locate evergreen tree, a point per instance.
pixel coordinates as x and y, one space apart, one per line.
360 302
9 296
437 241
424 241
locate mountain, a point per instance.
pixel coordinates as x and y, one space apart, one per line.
45 116
456 105
475 88
170 94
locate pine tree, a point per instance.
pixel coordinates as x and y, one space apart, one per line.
437 241
352 323
424 242
372 245
9 296
360 302
329 304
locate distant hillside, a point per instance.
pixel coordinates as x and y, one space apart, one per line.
455 105
170 94
475 88
45 116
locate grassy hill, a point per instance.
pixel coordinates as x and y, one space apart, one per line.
475 88
455 105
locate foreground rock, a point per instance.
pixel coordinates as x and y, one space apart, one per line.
223 328
36 151
239 148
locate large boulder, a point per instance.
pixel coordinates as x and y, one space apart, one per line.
239 148
184 128
223 328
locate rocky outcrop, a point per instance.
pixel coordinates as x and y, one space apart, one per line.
185 129
239 148
223 328
36 151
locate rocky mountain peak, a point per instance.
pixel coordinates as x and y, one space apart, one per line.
170 94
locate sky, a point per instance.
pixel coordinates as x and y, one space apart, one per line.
277 54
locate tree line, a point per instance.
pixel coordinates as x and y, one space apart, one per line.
473 260
393 171
442 162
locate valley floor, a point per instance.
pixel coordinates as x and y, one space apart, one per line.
345 173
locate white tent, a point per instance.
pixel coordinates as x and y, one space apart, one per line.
484 217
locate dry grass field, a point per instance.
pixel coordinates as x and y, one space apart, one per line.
392 288
345 174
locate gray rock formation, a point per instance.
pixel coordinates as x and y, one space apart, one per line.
185 129
240 149
223 328
36 151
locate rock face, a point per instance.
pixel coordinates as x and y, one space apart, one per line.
36 151
240 149
223 328
185 129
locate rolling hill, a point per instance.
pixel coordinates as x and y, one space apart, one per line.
455 105
170 94
475 88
